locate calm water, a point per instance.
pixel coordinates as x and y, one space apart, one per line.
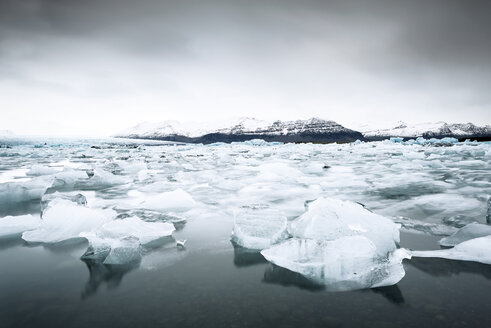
48 287
212 284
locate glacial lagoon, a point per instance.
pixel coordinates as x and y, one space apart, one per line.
54 270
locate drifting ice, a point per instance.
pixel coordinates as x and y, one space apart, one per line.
345 263
120 241
64 220
342 245
330 219
16 225
173 201
145 232
259 229
476 250
470 231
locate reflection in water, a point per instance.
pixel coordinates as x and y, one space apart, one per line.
100 273
10 241
244 257
19 208
274 274
391 293
444 268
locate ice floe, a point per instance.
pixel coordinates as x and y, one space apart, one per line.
172 201
343 245
259 229
345 263
476 250
330 219
16 225
470 231
64 220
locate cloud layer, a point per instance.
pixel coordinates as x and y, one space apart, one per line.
94 67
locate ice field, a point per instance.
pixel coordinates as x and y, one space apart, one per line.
331 216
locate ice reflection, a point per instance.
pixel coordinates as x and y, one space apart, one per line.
445 268
111 275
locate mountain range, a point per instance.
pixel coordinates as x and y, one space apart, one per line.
311 130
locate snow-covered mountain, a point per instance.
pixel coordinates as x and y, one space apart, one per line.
430 130
311 130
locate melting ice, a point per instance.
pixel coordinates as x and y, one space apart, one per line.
124 199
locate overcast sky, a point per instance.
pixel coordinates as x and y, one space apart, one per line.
94 67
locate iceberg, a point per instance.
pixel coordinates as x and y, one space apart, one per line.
64 220
330 219
18 192
113 251
16 225
476 250
120 241
468 232
172 201
37 170
145 232
79 199
259 229
123 251
346 263
342 245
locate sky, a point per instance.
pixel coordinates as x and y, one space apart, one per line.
95 67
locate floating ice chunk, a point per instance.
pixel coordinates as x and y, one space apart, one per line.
330 219
255 142
396 139
17 192
145 232
277 172
123 251
64 220
99 248
37 170
16 225
476 250
259 229
345 263
172 201
78 199
103 179
470 231
120 241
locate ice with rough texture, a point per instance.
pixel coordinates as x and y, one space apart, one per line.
345 263
470 231
113 251
17 192
119 241
16 225
330 219
37 170
79 199
259 229
476 250
145 232
64 220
